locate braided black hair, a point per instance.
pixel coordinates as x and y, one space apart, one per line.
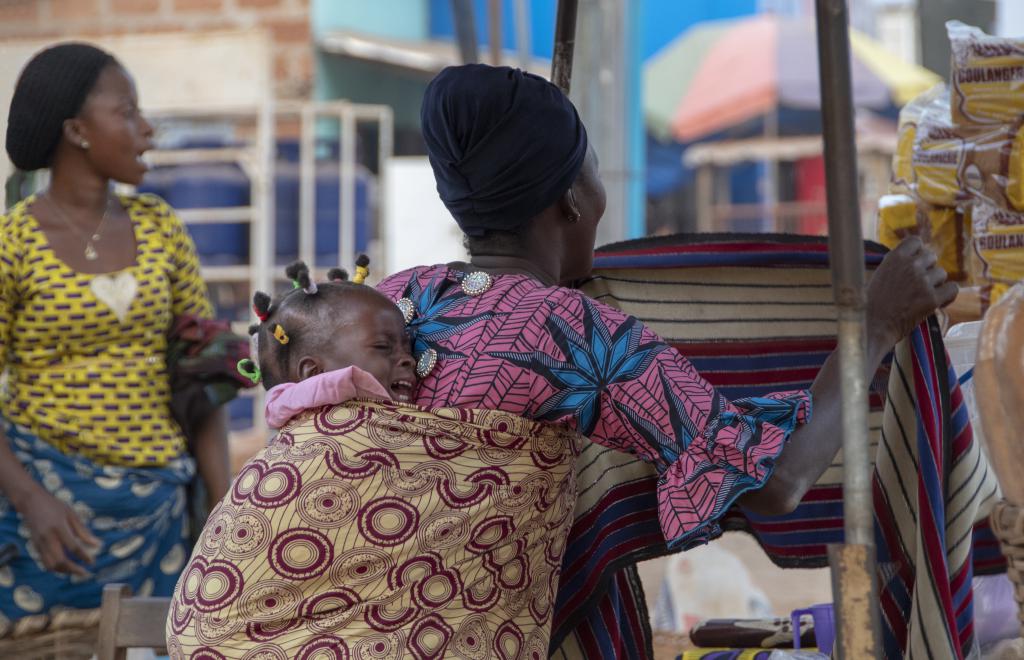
282 322
50 90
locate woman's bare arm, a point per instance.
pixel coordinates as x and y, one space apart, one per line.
906 288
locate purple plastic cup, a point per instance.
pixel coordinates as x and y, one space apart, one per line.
824 626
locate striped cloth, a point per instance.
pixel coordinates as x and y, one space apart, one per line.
755 314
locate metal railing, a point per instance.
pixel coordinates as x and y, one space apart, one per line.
256 156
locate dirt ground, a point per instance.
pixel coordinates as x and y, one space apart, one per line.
786 589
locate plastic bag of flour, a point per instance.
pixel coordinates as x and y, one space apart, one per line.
986 76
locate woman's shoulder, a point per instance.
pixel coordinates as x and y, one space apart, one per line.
14 222
523 288
151 207
580 310
148 204
17 214
575 301
153 211
393 286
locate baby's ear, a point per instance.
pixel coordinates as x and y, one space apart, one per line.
308 366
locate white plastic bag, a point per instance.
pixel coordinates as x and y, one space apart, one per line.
962 345
995 610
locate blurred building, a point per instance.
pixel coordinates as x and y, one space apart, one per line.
286 21
385 52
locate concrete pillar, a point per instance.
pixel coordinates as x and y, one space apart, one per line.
605 89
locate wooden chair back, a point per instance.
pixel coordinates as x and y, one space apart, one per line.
127 622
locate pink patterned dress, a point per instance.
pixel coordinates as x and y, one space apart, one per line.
552 354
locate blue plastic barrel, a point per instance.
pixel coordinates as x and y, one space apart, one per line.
240 412
286 203
215 185
288 151
328 212
229 299
157 181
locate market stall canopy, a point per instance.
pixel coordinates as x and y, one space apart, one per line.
722 73
875 135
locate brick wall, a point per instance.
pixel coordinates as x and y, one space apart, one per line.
287 21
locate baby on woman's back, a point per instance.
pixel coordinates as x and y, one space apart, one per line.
324 344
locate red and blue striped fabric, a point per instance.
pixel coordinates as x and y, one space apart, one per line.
754 314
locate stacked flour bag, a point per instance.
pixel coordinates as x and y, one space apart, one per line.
924 198
958 171
958 183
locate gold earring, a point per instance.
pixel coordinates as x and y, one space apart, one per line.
573 217
84 144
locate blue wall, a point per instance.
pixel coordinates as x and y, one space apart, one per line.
372 17
664 20
542 24
653 23
660 20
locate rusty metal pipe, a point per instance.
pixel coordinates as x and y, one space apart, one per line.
853 564
565 44
494 31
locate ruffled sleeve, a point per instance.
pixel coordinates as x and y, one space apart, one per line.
618 383
733 454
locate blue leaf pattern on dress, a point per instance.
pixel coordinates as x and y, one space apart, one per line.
430 327
594 360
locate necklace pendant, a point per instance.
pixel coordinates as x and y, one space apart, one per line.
90 252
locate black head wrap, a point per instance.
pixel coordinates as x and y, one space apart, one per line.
51 89
503 144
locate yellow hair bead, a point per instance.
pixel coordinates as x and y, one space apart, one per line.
280 335
362 269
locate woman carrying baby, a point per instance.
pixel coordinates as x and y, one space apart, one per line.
438 529
371 527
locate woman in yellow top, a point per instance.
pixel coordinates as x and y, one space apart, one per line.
93 467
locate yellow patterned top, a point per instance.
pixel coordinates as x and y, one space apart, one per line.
86 359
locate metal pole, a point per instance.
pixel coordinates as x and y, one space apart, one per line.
705 198
494 25
565 44
307 186
264 229
523 33
771 189
347 189
386 150
465 30
853 574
